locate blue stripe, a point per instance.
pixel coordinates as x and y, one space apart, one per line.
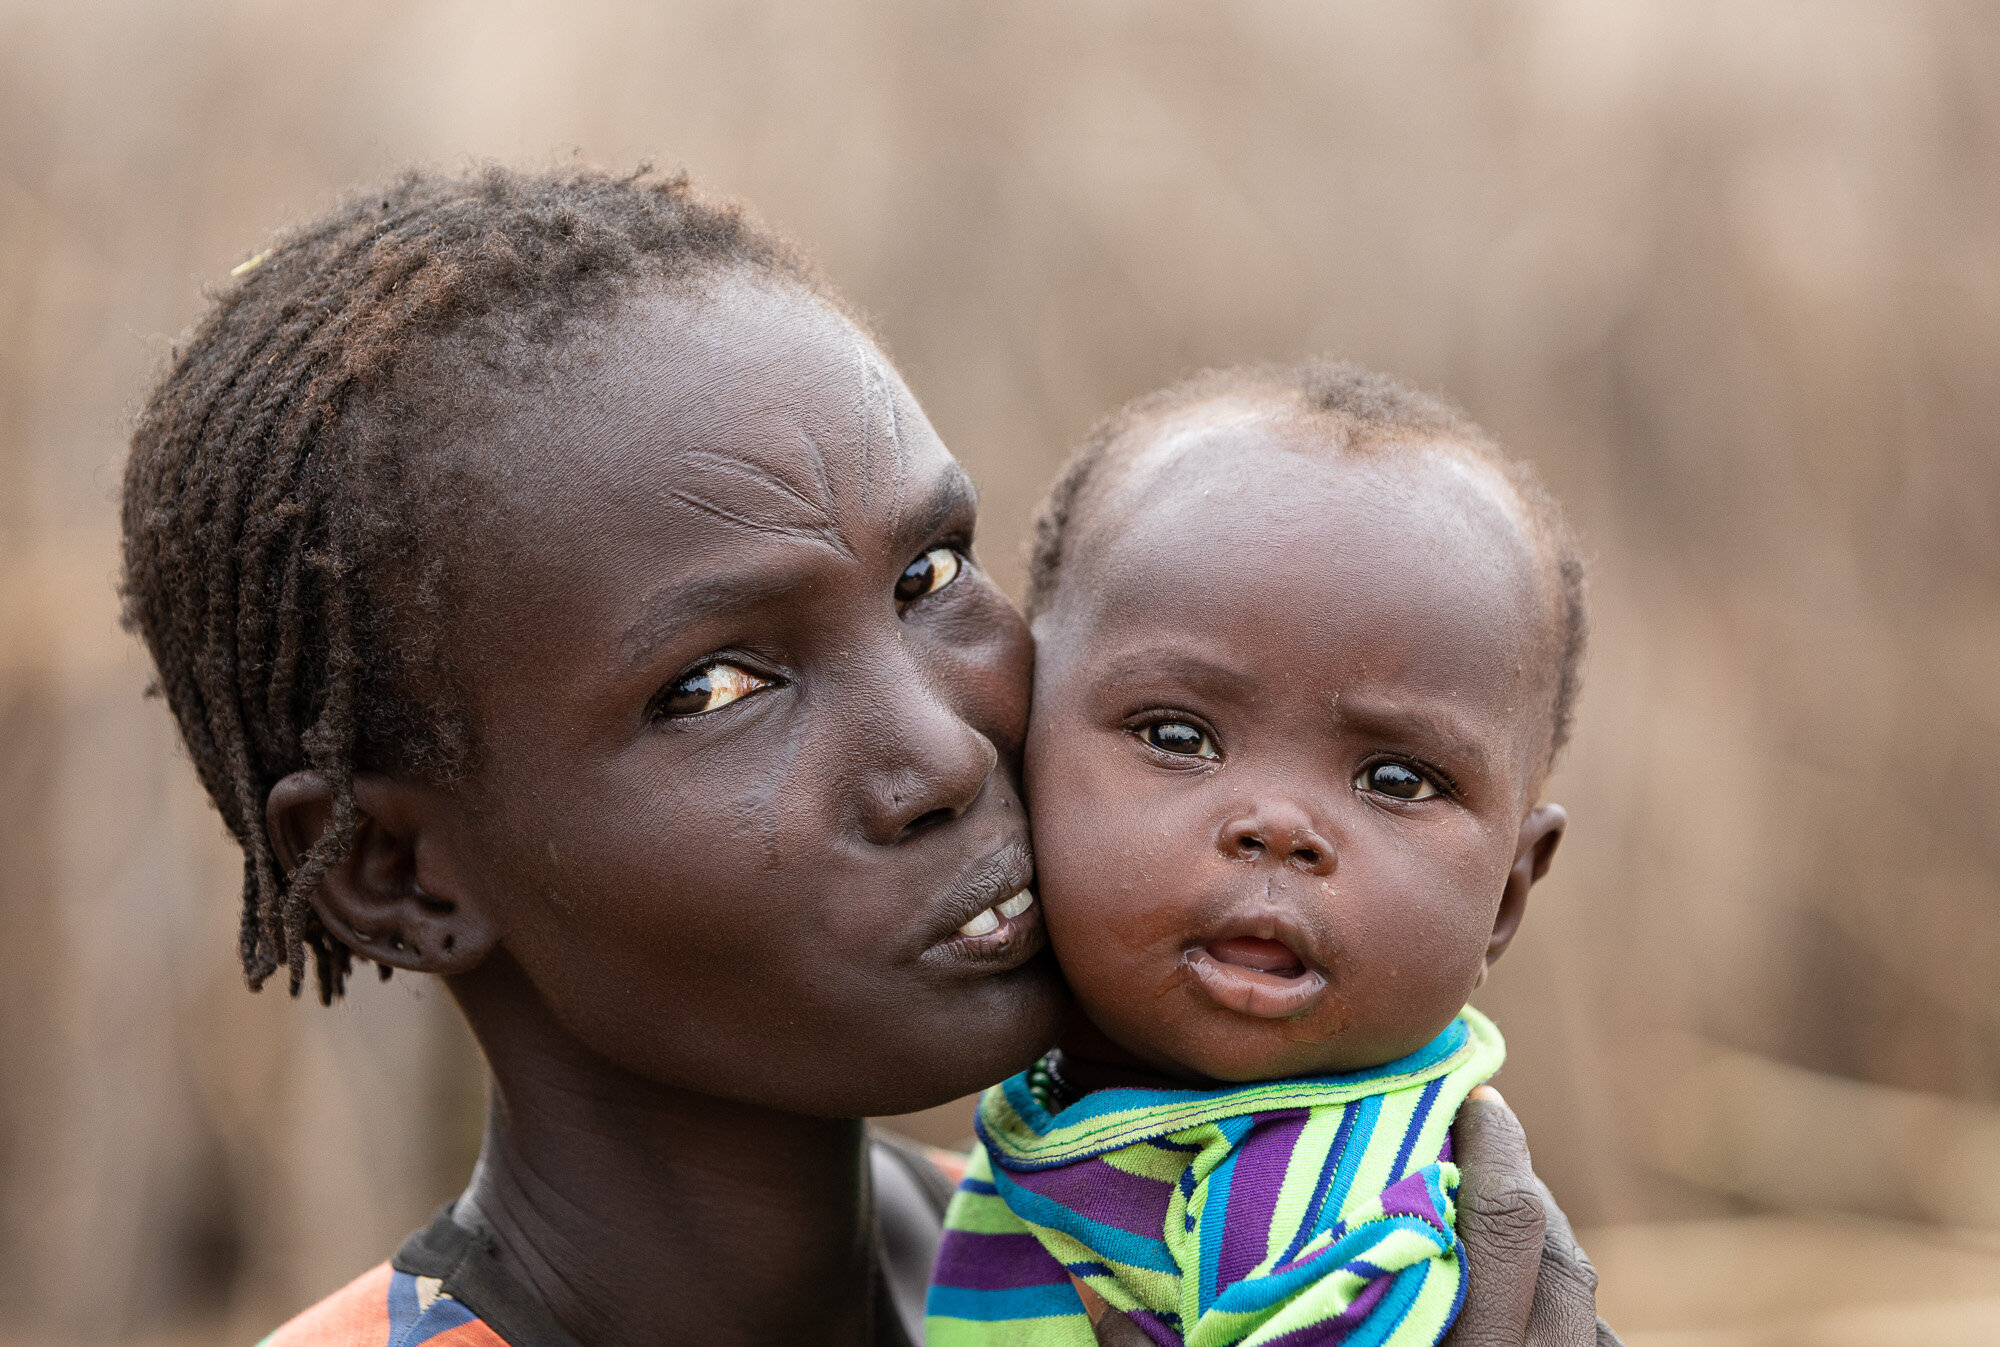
410 1328
1261 1293
1392 1309
1021 1302
980 1186
403 1311
1458 1294
1213 1209
1424 1103
1126 1099
1337 1155
1023 1099
1366 1112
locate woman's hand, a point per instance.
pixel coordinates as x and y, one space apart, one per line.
1530 1284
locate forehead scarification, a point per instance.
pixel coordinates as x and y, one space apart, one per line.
730 398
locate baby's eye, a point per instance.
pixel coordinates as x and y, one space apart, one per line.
1396 781
1177 736
710 688
927 574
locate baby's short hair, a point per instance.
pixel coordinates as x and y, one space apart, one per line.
1363 409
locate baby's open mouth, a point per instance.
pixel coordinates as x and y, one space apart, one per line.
1266 956
1255 976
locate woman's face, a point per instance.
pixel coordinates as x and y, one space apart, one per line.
750 718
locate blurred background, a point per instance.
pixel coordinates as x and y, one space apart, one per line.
1729 272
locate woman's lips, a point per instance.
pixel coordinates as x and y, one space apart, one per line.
1254 976
988 919
994 919
996 937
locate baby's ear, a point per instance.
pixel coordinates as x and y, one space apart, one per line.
396 896
1534 851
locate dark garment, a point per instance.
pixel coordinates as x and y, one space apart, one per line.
447 1288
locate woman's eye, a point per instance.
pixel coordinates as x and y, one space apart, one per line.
1396 781
710 688
1177 736
928 574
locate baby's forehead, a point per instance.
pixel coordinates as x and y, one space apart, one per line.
1240 473
1259 534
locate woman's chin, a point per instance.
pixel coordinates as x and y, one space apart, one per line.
985 1033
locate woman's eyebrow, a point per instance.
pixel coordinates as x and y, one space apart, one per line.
952 493
667 611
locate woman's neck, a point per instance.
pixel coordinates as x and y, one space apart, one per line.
639 1214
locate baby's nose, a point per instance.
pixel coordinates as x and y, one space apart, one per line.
1282 833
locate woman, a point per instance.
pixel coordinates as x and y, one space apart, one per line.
560 593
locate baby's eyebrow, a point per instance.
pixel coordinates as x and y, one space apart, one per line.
1439 730
1184 666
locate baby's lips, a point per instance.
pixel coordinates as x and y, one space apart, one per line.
1250 990
1265 956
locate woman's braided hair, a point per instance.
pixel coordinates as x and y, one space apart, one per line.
1364 409
273 495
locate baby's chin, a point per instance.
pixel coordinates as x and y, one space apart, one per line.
1222 1046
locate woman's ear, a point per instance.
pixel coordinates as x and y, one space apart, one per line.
397 896
1534 850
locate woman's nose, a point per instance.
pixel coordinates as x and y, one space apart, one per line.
1280 832
930 765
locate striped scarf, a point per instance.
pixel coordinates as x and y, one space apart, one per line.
1279 1212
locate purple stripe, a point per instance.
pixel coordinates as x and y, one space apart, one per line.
1336 1330
978 1262
1444 1152
1156 1328
1411 1196
1261 1161
1107 1195
1334 1156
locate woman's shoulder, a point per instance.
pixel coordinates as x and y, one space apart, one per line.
913 1185
386 1308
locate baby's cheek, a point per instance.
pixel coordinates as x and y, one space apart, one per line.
1416 969
1107 887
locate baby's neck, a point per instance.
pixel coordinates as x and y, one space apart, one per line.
1088 1059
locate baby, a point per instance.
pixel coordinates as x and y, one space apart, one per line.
1307 645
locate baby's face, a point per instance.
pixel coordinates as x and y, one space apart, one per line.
1291 708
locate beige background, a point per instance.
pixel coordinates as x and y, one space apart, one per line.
1729 271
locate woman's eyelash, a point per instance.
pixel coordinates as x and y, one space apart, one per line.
708 687
936 568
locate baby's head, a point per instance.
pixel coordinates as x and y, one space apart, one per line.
1307 646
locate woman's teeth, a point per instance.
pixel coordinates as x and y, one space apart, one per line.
988 921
